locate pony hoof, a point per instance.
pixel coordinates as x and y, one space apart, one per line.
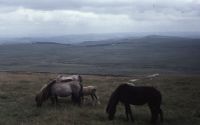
153 122
126 120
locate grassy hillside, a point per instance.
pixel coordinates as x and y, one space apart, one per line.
119 57
17 106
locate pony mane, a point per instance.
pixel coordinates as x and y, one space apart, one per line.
45 91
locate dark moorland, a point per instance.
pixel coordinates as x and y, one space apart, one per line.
115 56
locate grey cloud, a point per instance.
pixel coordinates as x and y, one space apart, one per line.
85 16
108 6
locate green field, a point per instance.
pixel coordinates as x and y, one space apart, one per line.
181 99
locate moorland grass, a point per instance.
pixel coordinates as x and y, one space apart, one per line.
181 99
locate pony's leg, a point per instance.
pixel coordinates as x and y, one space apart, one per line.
53 100
76 99
79 100
82 99
154 113
96 99
56 99
93 98
73 98
126 111
161 115
129 112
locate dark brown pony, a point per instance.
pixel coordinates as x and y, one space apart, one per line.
135 95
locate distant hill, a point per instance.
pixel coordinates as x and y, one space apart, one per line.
150 38
46 43
65 39
76 39
123 56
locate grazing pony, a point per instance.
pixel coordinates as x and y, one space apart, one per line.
91 91
56 89
135 95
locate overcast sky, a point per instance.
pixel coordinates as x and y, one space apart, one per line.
59 17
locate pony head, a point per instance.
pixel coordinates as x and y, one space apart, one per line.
39 100
44 93
40 96
112 103
111 112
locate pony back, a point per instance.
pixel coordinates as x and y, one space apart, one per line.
61 78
